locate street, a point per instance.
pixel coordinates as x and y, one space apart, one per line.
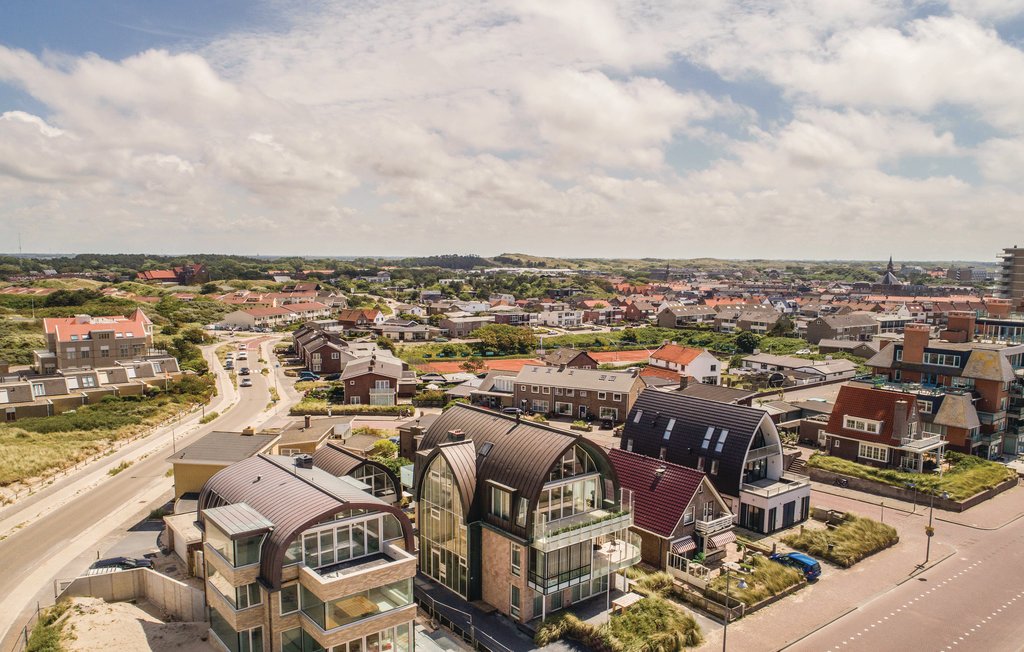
41 546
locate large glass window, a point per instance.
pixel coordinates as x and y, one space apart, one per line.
560 568
249 640
443 533
342 541
381 485
501 503
238 552
565 499
289 599
343 611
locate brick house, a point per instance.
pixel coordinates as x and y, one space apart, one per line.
377 381
687 361
463 326
860 326
575 358
89 342
194 274
360 318
688 315
576 393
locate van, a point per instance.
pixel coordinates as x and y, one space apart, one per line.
803 563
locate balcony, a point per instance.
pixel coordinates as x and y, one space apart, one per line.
713 526
921 443
552 535
611 553
762 452
337 580
767 488
988 418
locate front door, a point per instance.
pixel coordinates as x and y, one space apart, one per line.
771 521
583 411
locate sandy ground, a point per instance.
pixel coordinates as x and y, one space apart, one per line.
94 626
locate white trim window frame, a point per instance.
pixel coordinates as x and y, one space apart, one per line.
859 424
872 452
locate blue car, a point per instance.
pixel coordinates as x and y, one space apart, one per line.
803 563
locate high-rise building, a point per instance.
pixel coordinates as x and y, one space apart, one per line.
1010 280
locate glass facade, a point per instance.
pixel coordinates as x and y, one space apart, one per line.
443 534
381 485
349 609
249 640
560 568
399 638
238 552
340 542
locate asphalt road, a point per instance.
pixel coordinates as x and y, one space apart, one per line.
972 601
33 555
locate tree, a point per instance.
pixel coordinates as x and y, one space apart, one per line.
747 342
386 343
384 448
781 328
473 365
629 335
209 288
505 339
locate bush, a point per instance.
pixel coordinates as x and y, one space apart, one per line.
853 540
429 398
768 579
47 633
320 408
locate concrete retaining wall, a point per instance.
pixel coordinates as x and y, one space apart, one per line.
178 600
908 495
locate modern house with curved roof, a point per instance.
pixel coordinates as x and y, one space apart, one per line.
525 517
298 558
382 481
738 447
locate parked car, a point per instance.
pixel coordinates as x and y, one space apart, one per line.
246 382
607 424
229 365
511 410
308 375
244 371
331 376
803 352
122 563
243 356
440 339
803 563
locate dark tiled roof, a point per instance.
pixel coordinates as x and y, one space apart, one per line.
716 393
565 356
220 446
693 418
870 403
659 499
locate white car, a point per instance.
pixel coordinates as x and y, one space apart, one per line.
803 352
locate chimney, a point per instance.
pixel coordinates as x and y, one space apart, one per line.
304 461
248 431
960 326
899 420
684 381
5 368
456 435
999 307
307 420
915 339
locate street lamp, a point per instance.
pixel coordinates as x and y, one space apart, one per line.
729 566
930 531
912 485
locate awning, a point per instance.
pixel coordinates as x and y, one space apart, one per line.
719 540
683 546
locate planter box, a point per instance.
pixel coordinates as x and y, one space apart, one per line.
908 495
581 428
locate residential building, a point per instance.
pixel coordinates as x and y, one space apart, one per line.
576 393
360 318
738 447
299 559
513 316
807 370
688 361
399 330
377 380
883 428
193 466
688 315
85 342
527 518
463 326
676 510
194 274
1010 278
560 318
985 370
757 320
853 347
250 318
574 358
860 326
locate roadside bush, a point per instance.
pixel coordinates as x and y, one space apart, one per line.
853 540
320 408
429 398
768 578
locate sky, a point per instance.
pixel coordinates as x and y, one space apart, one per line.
805 129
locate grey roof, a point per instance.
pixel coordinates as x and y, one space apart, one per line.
239 520
717 393
849 320
224 447
372 365
847 345
693 418
319 427
586 379
339 462
958 411
563 356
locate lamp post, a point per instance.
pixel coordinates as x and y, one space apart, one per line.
725 626
912 485
930 531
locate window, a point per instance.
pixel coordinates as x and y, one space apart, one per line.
289 599
668 428
721 441
924 406
248 596
714 467
602 396
700 463
569 392
616 397
514 601
639 415
707 437
899 354
583 394
608 413
38 389
517 560
546 390
335 355
522 388
558 391
862 425
662 453
521 514
688 515
714 367
629 445
540 406
941 359
534 389
876 453
501 503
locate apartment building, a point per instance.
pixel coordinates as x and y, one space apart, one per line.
524 517
86 342
985 370
680 316
687 361
297 558
463 326
738 447
1010 277
576 393
377 380
560 318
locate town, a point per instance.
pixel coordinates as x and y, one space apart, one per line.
510 452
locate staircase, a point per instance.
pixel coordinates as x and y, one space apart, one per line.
798 465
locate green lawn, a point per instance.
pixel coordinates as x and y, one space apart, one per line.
967 475
18 339
653 624
853 540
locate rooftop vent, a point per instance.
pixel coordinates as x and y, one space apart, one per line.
304 461
456 435
660 471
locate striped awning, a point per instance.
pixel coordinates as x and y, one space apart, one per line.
683 546
719 540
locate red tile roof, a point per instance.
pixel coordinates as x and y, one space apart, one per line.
63 328
870 403
658 501
657 372
674 353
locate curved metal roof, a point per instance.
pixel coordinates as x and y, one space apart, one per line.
339 462
520 455
293 502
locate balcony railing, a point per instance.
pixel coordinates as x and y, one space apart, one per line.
767 488
706 527
920 442
553 534
988 418
764 451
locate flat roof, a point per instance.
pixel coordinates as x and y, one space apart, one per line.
238 520
221 447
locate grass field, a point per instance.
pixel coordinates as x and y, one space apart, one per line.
18 339
33 447
966 476
853 540
767 579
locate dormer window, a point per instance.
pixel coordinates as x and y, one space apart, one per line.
668 429
707 437
862 425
